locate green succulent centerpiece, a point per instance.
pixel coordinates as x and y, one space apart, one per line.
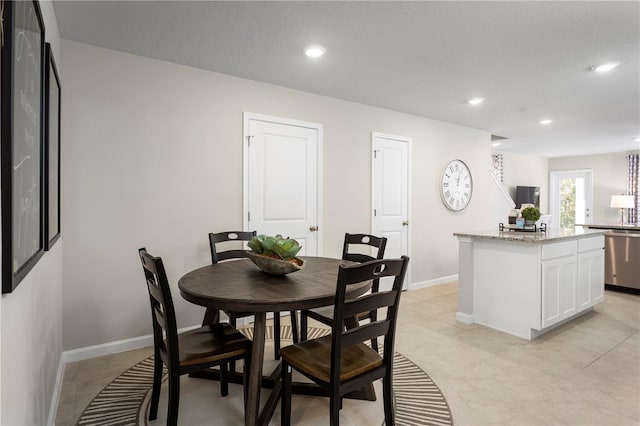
275 255
530 214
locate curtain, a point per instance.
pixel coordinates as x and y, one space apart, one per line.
632 188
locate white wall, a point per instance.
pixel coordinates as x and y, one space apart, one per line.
32 342
31 318
153 157
609 178
526 170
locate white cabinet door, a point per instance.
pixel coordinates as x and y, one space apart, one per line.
590 278
558 289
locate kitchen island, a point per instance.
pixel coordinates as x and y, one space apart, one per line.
526 283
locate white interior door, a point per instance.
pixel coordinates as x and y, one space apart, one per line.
391 195
571 197
281 171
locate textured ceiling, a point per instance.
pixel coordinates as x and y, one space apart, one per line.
530 60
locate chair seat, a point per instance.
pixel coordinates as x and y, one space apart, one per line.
313 357
211 343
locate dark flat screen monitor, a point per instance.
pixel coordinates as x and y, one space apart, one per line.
527 195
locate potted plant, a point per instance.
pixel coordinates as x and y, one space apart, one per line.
530 215
275 255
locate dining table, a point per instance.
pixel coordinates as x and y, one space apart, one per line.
239 286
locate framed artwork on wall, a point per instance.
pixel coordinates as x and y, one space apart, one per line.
21 176
51 150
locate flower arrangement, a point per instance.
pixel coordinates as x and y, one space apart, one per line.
530 214
275 255
283 248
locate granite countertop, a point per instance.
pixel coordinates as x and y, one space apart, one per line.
552 235
612 225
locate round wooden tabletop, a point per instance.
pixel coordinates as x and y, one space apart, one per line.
239 286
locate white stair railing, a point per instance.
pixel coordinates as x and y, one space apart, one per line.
503 190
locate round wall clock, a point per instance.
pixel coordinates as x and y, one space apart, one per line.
456 185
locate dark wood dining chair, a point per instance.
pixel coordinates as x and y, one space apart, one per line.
239 252
207 346
351 250
342 362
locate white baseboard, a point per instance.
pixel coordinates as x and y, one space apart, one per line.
95 351
103 349
435 281
118 346
465 318
57 389
110 348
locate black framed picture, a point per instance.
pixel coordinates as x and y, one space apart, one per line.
51 151
21 176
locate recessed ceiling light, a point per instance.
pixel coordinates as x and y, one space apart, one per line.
545 121
495 144
314 51
475 101
605 67
637 139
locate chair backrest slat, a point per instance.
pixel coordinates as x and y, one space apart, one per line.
218 255
162 310
360 240
160 318
155 292
353 274
371 270
365 332
368 302
358 257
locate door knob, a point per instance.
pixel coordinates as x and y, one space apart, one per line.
313 228
405 223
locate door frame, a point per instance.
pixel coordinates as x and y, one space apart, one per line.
554 179
408 140
247 117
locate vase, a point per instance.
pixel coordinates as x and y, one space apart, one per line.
275 266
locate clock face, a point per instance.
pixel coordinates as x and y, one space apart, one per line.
456 185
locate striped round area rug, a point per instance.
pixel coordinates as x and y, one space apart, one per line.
124 401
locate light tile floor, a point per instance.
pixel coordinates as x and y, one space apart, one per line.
586 372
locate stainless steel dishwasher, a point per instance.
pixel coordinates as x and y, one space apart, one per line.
622 260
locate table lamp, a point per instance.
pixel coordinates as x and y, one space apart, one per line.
622 202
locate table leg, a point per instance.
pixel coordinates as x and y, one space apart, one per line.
255 373
211 316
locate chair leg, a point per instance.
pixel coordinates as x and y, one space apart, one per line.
157 384
285 396
224 379
174 398
294 326
374 344
303 326
334 407
276 335
245 380
233 322
387 396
